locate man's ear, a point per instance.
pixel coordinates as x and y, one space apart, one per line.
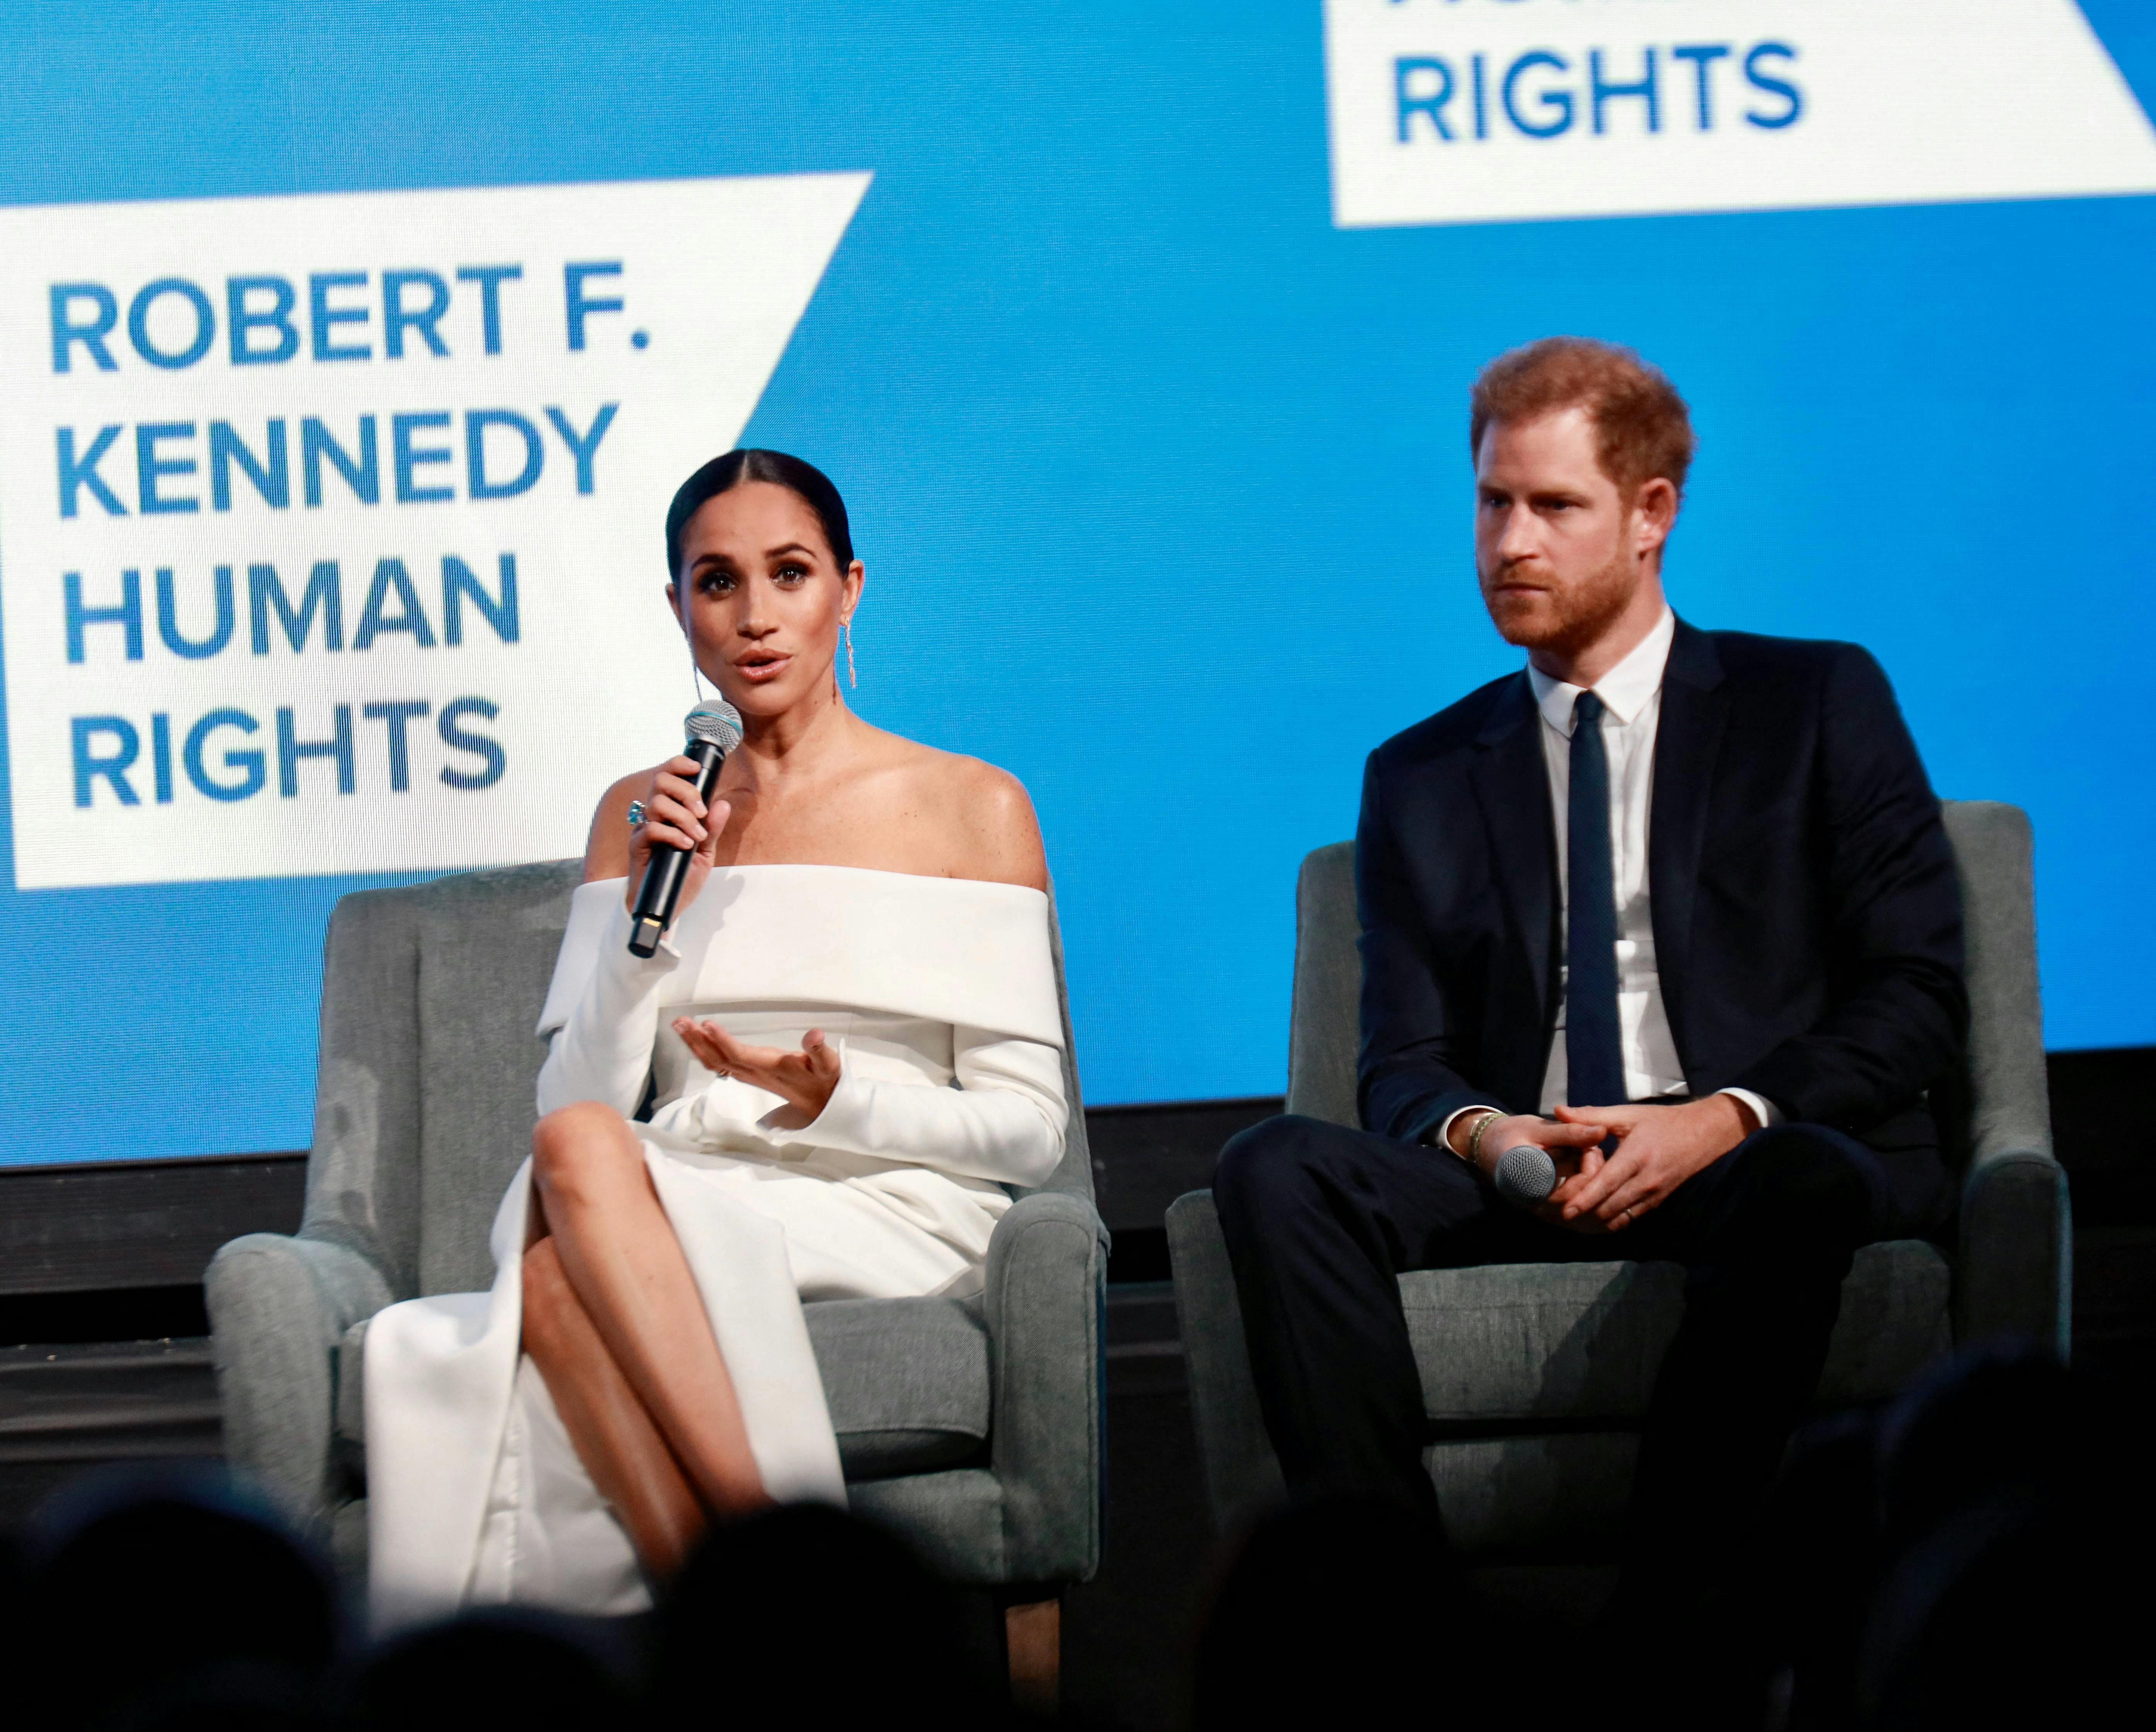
1655 505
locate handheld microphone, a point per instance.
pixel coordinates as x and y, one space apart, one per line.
1526 1173
715 729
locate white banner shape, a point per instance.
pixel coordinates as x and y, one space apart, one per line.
332 527
1480 110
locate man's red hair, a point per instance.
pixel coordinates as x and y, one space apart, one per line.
1642 428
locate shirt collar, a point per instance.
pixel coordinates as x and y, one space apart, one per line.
1623 691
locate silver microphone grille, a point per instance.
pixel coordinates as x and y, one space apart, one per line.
1526 1173
717 721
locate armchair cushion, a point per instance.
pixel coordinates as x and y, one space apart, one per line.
1584 1341
907 1382
1535 1377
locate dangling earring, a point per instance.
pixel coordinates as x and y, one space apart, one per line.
853 679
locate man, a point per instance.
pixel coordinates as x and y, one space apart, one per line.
1675 906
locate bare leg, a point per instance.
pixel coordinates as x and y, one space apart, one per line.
615 1436
618 1251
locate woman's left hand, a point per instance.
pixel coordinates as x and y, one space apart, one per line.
804 1080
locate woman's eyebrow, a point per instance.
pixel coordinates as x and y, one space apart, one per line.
790 547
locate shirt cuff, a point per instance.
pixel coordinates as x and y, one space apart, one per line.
1443 1139
1762 1109
843 1123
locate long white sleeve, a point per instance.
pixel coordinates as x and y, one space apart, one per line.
1004 1121
602 1051
932 948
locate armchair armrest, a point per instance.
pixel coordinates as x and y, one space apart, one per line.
1045 1306
278 1307
2014 1269
1242 1472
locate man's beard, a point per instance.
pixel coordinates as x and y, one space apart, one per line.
1567 618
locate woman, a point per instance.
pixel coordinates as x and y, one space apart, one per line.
863 922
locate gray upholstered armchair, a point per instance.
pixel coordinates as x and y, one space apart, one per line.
1535 1376
972 1427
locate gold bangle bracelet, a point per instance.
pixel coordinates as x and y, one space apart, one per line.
1490 1115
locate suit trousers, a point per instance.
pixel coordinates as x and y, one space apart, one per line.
1321 1221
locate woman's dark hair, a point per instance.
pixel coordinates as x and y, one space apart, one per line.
722 474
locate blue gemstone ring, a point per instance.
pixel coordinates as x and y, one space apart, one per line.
635 812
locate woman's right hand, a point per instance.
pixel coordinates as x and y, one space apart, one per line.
674 817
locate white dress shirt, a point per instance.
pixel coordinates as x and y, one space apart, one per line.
1631 694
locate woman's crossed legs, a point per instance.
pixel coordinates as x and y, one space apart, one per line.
614 1323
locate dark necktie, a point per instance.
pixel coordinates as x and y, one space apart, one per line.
1593 1053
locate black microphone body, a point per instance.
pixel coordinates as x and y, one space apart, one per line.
668 869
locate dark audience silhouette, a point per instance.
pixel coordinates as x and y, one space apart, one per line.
1971 1554
167 1596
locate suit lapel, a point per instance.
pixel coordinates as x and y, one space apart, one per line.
1687 740
1511 785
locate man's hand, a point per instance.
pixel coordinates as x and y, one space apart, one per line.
1572 1147
1658 1148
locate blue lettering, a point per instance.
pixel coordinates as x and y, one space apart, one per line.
138 323
476 485
479 745
161 755
1773 87
128 615
396 716
323 316
1557 101
1703 55
240 320
490 279
1407 104
396 316
1482 99
390 575
405 457
253 772
78 473
363 477
272 481
149 465
458 582
113 768
66 333
583 447
1644 87
291 749
266 590
581 305
168 620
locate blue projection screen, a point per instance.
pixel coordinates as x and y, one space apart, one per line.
352 354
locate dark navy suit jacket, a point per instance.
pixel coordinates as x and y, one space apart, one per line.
1807 922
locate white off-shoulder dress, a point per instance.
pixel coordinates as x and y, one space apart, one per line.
940 995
